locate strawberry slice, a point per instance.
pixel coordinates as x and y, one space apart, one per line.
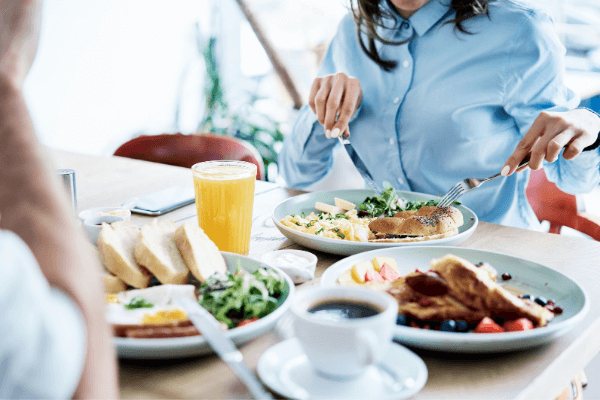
521 324
487 325
373 276
388 273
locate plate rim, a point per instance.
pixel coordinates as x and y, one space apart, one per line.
193 344
467 339
466 233
420 383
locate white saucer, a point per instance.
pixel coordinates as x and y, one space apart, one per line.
285 369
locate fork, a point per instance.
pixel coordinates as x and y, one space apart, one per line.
469 184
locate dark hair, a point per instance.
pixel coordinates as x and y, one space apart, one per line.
368 16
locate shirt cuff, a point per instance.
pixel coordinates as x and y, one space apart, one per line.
596 144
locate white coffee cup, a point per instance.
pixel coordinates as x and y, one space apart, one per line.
342 348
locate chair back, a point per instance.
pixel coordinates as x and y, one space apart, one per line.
557 207
186 150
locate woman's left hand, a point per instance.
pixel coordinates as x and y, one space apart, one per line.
551 132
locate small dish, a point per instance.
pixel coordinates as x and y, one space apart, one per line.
105 211
300 265
93 225
285 369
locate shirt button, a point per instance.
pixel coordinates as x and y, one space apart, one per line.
404 25
397 100
401 181
406 63
391 141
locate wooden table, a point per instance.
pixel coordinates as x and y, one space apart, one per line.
538 373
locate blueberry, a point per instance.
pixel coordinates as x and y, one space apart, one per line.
401 319
526 296
541 301
461 326
448 326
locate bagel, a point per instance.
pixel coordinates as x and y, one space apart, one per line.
429 222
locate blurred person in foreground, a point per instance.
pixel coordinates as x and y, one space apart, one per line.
435 91
54 342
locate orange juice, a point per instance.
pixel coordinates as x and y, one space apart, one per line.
224 200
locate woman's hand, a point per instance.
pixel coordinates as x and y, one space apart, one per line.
551 132
334 99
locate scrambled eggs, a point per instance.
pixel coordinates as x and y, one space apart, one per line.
345 226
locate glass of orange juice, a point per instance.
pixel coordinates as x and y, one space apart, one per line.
224 199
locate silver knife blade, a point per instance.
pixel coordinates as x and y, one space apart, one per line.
222 345
359 164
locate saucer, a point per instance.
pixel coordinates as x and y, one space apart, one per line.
285 369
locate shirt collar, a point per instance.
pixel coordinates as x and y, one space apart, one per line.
425 18
429 15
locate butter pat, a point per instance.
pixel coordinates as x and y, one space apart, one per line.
119 212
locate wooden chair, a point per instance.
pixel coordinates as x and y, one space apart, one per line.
186 150
557 207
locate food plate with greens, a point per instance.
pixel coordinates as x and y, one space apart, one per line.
249 302
346 235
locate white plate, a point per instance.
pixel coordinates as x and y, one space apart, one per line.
306 203
286 370
527 276
196 345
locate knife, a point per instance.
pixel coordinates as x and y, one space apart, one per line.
222 345
359 164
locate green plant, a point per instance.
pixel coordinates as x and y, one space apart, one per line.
247 124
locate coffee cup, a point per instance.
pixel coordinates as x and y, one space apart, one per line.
343 330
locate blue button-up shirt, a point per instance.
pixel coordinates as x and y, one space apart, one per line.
455 107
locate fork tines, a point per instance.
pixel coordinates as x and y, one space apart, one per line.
452 195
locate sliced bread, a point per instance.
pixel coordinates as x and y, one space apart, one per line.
112 283
156 250
116 243
200 254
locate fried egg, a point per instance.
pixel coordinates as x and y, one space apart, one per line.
162 310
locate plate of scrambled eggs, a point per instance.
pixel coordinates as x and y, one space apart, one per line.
318 221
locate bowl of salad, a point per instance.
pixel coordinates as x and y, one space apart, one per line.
247 300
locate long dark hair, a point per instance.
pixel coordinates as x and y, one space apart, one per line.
368 16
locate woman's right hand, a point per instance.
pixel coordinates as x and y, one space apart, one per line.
334 99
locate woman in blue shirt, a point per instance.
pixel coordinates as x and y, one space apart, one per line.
433 93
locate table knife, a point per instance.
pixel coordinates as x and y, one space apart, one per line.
222 345
359 164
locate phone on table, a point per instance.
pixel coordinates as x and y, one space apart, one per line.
165 200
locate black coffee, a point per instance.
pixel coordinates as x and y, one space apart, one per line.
336 310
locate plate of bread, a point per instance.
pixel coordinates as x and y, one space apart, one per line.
347 222
147 268
454 299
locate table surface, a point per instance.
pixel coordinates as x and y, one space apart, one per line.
538 373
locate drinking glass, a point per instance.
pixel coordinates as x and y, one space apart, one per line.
224 198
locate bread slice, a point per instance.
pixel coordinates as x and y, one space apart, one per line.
200 254
112 283
116 243
156 250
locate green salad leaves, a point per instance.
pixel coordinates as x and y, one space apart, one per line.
233 298
388 203
138 302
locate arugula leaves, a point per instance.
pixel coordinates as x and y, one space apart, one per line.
234 297
384 205
388 203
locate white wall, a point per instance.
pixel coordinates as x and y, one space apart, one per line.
107 70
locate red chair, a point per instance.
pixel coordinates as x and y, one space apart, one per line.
559 208
186 150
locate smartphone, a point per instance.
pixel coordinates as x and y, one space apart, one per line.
165 200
